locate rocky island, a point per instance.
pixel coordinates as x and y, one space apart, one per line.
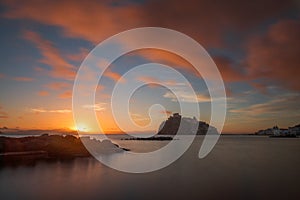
187 126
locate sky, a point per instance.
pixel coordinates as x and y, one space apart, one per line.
255 45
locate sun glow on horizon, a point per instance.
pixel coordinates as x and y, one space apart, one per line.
80 128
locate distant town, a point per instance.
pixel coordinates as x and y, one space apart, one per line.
281 132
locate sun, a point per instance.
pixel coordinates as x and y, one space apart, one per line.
80 127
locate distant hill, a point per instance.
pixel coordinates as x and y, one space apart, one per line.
188 126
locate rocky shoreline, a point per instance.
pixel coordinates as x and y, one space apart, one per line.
46 147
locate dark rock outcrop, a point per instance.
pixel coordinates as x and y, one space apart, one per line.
177 124
54 146
28 150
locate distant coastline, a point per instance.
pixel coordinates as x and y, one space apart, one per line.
290 132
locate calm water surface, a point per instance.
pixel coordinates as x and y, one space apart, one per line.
239 167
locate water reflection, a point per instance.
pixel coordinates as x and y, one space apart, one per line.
237 168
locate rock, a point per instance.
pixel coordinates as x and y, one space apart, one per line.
185 126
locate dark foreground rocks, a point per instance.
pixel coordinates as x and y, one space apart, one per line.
48 147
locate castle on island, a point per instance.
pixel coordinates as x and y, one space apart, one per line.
176 124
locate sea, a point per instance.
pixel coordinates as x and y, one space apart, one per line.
239 167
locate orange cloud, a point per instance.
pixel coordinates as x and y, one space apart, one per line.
114 76
200 19
43 93
41 110
58 85
165 58
65 95
100 88
52 57
225 65
23 79
3 115
150 81
228 72
153 82
94 21
167 112
79 56
147 79
90 20
96 107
